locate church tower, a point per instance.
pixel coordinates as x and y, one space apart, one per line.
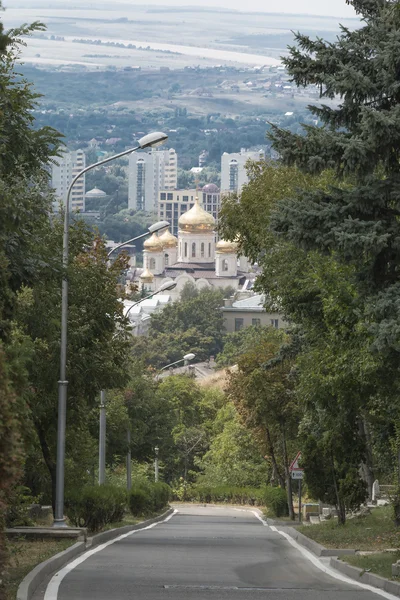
226 259
153 255
196 236
170 247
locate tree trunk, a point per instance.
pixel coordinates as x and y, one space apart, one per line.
50 464
339 502
287 474
276 472
367 465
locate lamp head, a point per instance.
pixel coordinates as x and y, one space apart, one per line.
167 285
158 226
190 356
151 140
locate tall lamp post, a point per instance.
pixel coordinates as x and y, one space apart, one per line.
148 141
156 450
186 359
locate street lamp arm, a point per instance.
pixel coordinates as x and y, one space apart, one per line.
172 364
98 164
139 237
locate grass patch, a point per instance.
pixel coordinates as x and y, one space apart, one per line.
379 564
127 520
24 555
373 532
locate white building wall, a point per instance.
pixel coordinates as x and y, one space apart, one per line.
66 167
196 247
231 182
148 172
225 265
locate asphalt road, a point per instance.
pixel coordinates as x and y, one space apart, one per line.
204 554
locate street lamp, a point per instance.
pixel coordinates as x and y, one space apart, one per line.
185 360
150 140
167 285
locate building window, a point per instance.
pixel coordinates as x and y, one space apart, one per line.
180 248
224 265
256 322
170 196
169 206
152 263
163 196
275 323
209 250
186 248
166 257
183 208
193 250
202 250
185 198
238 324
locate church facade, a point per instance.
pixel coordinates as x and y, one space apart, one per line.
193 257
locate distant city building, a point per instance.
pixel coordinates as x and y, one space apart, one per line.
203 158
63 171
233 169
173 204
150 172
239 314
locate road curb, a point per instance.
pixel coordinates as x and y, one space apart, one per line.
314 547
31 582
369 578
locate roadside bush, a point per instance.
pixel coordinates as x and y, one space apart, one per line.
96 506
146 497
139 501
17 514
275 500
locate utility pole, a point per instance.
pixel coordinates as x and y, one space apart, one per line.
102 438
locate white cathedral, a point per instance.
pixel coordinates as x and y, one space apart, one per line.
194 257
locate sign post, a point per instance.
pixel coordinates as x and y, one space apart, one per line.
297 472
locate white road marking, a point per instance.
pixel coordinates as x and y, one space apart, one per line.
328 570
54 584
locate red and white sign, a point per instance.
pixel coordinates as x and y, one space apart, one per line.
295 464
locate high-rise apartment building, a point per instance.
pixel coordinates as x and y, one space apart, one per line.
172 204
233 169
63 171
149 172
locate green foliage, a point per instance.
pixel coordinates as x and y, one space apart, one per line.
238 343
146 497
95 506
275 500
193 324
19 503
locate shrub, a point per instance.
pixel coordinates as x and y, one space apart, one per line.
17 514
146 497
96 506
275 500
139 501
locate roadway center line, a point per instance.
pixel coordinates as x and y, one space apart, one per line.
328 570
54 584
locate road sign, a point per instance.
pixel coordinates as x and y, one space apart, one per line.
297 474
295 464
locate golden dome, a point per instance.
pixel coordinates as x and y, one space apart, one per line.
147 276
153 244
224 247
197 220
168 240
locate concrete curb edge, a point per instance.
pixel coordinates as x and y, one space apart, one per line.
31 582
314 547
369 578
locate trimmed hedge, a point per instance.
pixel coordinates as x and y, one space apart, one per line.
146 497
273 498
96 506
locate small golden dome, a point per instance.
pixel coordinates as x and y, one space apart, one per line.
153 244
197 220
168 240
147 276
224 247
